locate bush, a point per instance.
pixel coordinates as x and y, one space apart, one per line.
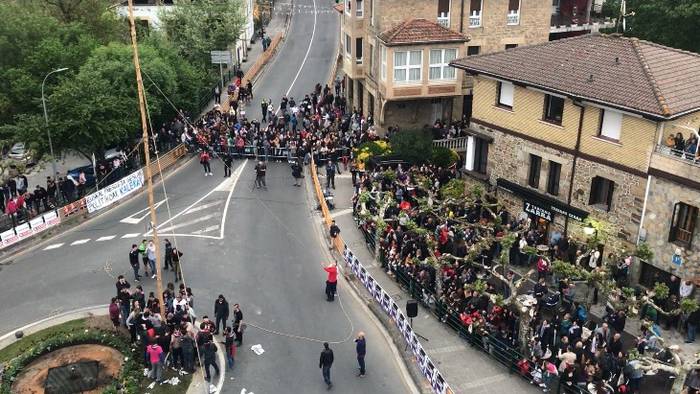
444 157
370 149
453 189
413 146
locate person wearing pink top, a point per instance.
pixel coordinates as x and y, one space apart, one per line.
154 353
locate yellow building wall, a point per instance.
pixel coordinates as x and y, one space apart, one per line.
526 116
637 140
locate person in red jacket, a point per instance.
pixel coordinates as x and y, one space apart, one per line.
331 281
204 161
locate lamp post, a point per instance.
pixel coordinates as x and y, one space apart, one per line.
46 119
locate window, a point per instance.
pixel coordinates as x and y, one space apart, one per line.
553 178
610 124
505 94
473 50
372 8
440 64
348 44
358 50
475 13
683 224
553 109
443 13
481 153
348 7
511 46
602 192
533 178
382 60
359 10
371 59
407 66
513 17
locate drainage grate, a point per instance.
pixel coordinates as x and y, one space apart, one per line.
72 378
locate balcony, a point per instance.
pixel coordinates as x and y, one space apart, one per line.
444 19
475 19
561 23
457 144
680 164
513 17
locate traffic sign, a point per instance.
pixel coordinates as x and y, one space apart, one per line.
221 57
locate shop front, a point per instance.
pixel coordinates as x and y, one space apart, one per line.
543 210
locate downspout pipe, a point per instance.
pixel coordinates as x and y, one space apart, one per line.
461 17
661 128
577 148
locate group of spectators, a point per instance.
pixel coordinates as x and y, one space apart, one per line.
169 336
565 345
680 146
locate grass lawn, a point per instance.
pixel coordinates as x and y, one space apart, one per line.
93 323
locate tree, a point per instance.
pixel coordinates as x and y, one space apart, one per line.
198 26
413 146
668 22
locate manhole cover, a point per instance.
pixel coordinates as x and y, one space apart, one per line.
72 378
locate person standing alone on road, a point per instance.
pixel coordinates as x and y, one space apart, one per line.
134 261
333 231
221 313
361 349
260 170
325 364
263 110
228 161
330 174
331 281
204 161
168 260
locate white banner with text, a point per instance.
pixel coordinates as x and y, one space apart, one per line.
114 192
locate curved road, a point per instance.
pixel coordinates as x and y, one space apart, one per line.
259 248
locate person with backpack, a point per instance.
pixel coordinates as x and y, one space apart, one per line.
204 159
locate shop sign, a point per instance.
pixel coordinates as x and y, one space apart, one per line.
538 211
570 214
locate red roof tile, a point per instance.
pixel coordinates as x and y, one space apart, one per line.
626 73
419 31
339 7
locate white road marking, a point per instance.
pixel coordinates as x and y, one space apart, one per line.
131 219
131 235
179 225
80 241
205 206
54 246
106 238
206 230
235 178
341 212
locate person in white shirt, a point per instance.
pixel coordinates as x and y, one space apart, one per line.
685 289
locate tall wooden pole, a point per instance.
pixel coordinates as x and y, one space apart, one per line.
147 168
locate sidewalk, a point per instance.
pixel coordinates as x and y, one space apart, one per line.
466 369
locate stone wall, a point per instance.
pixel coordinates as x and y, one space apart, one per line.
663 195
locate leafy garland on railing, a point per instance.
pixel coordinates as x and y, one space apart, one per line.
131 373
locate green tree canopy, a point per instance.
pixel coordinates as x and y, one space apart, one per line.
198 26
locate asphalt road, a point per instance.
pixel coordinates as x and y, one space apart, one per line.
260 248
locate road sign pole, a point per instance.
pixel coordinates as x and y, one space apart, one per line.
221 74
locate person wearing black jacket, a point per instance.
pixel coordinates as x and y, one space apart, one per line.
361 349
168 260
325 363
220 312
210 358
134 261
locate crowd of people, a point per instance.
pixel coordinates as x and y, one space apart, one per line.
566 345
680 146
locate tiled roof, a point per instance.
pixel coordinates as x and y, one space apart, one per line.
626 73
339 7
419 31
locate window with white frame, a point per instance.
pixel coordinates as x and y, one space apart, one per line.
611 124
443 13
348 7
407 66
359 50
505 94
382 60
475 13
348 45
440 64
359 10
513 17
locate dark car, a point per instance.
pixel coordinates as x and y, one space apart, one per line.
89 174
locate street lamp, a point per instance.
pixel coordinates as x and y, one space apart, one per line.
46 119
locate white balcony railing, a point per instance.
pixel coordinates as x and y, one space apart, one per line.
475 19
513 17
444 19
686 157
458 144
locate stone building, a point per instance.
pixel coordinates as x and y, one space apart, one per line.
395 54
577 128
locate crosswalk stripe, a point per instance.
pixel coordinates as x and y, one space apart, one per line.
131 235
80 241
54 246
106 238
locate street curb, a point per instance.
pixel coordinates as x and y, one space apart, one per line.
80 219
278 47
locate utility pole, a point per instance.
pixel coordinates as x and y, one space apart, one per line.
147 168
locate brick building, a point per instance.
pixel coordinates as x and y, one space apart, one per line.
579 127
395 54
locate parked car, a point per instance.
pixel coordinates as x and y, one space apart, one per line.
89 174
114 152
20 153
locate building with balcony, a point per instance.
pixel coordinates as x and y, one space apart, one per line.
395 54
576 17
580 127
147 13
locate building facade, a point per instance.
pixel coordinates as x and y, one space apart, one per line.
395 53
580 127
